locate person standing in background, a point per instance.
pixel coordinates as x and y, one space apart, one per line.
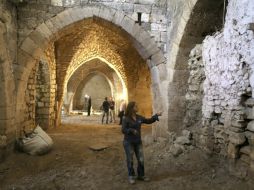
89 105
105 108
112 110
121 111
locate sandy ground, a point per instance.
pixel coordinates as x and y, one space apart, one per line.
73 165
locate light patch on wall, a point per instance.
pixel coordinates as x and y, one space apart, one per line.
57 2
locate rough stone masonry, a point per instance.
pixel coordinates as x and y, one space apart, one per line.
220 82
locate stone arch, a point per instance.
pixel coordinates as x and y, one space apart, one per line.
36 42
79 75
191 30
103 60
87 79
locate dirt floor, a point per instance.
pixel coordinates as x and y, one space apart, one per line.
72 164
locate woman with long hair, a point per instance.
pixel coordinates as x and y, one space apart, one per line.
131 128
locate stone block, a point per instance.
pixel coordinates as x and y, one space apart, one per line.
163 72
249 113
43 111
245 150
233 151
83 2
44 30
118 17
158 58
235 130
40 104
250 126
145 2
237 138
88 12
251 152
128 24
57 23
39 39
155 75
250 136
158 18
57 2
158 27
107 14
64 18
249 102
238 124
71 3
52 26
164 37
152 48
245 158
220 134
155 35
75 13
138 8
96 9
176 149
187 134
31 48
127 7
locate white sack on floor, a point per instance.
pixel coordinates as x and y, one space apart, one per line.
37 143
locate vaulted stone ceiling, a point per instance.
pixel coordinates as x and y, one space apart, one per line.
92 66
96 38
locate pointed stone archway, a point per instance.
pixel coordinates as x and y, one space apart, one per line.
190 30
34 46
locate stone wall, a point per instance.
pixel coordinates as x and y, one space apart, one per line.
8 56
29 119
228 87
54 22
192 20
195 91
153 15
50 59
97 87
40 96
42 101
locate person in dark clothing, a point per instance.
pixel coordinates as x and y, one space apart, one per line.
89 105
112 110
131 128
121 111
105 107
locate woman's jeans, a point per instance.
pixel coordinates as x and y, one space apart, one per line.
130 149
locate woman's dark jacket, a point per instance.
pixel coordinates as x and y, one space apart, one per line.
129 125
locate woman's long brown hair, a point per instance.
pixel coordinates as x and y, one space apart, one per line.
129 109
